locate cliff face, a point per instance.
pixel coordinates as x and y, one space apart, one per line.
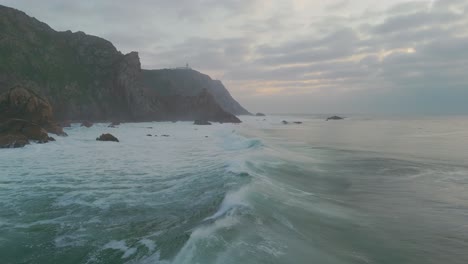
82 76
187 82
200 107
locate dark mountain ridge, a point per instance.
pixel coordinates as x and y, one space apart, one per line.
86 78
188 82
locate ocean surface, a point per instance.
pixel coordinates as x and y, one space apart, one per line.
361 190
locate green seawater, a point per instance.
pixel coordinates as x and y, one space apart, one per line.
362 190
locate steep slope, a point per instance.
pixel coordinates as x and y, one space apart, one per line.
82 76
188 82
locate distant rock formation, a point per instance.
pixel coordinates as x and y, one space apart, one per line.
188 82
65 123
87 124
188 108
86 78
260 114
107 137
114 124
335 118
202 123
285 122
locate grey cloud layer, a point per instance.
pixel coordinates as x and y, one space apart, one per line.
412 57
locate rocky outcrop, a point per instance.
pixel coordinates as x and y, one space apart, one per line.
114 124
335 118
65 123
107 137
24 117
13 141
87 124
18 132
260 114
201 123
23 103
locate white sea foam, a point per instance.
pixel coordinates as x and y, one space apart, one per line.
232 200
149 244
258 192
122 246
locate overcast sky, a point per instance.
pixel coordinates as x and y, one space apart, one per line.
303 56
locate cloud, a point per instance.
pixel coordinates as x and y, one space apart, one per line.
341 4
300 56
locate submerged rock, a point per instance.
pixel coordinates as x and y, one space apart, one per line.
107 137
298 122
201 123
285 122
114 124
13 141
149 135
335 118
87 124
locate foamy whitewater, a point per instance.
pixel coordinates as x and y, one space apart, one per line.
362 190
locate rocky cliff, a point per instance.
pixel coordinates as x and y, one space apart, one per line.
86 78
188 82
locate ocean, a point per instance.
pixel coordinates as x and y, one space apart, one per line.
361 190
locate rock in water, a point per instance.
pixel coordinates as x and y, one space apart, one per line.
87 124
55 129
25 116
260 114
201 123
298 123
13 141
22 103
16 133
335 118
107 137
285 122
65 123
114 124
